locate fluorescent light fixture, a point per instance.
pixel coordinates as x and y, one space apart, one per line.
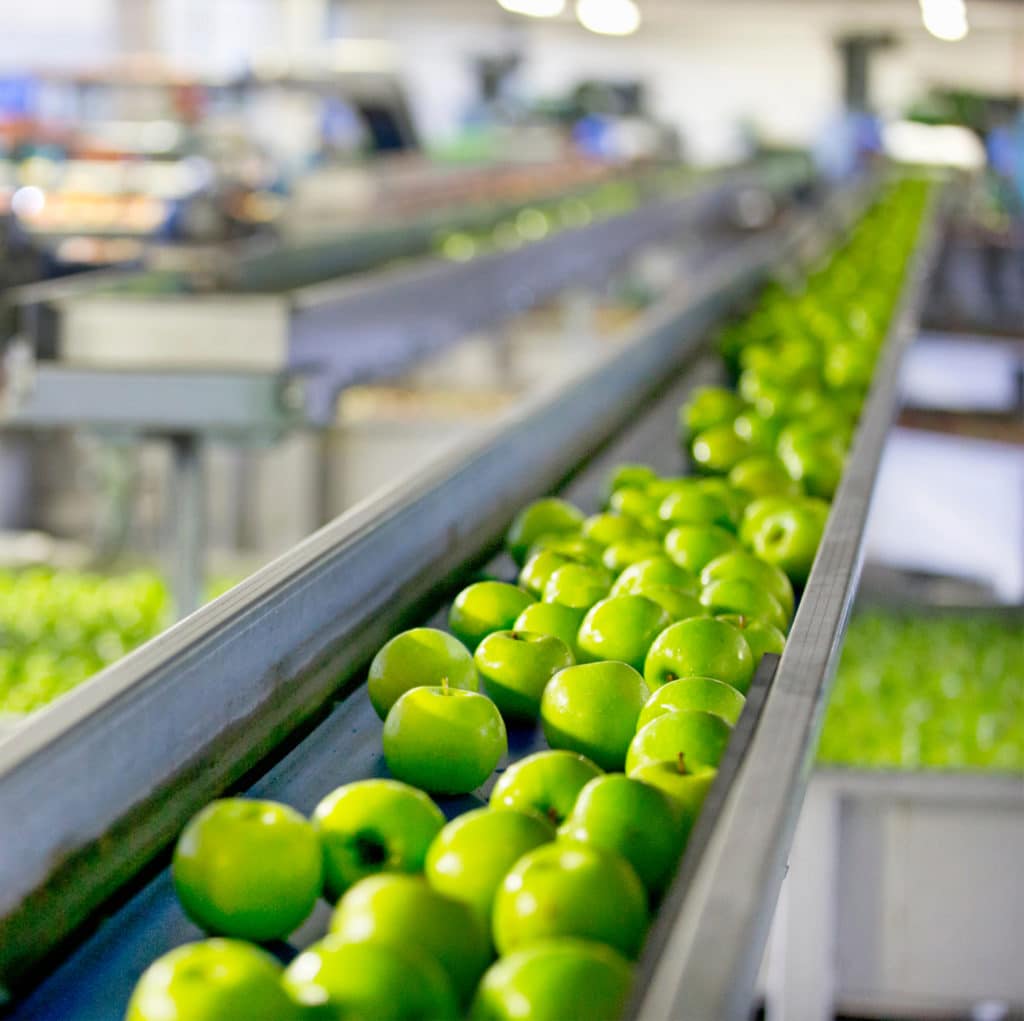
534 8
945 19
609 17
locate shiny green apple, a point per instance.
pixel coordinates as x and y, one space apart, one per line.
515 667
691 737
700 646
704 693
485 607
547 783
542 517
621 628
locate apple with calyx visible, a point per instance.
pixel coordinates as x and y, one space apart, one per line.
608 528
764 475
687 790
748 598
568 889
248 869
444 740
539 568
406 911
374 826
656 570
515 667
693 546
578 586
701 647
547 783
719 449
592 709
632 819
554 980
760 636
788 536
699 737
384 981
621 628
211 981
629 476
415 658
576 548
552 619
707 407
741 564
703 693
693 506
543 517
623 554
471 856
678 603
485 607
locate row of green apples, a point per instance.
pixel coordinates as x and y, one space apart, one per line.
632 635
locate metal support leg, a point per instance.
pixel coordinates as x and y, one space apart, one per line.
188 499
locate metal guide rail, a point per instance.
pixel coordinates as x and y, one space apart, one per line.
104 780
713 951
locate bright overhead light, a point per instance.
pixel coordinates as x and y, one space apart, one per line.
534 8
609 17
945 19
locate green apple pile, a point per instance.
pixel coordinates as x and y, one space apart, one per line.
58 628
630 637
928 692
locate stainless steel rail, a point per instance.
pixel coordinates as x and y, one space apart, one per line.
106 778
713 946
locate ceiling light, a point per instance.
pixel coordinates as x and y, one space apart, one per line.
534 8
609 17
945 19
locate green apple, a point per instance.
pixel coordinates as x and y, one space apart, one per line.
687 790
576 548
485 607
850 364
760 509
741 564
567 889
414 658
516 666
760 636
760 432
635 502
814 461
788 537
592 709
539 568
693 546
629 476
578 586
444 740
338 978
656 570
699 737
704 693
764 475
406 911
248 869
632 819
707 407
719 449
700 647
620 555
748 598
470 857
211 981
554 980
608 528
735 499
693 506
678 603
552 619
373 826
542 517
621 628
547 783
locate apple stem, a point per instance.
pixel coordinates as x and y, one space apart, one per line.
681 764
444 686
742 621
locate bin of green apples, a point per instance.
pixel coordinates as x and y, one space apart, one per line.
934 691
630 637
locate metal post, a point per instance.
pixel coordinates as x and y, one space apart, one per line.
188 503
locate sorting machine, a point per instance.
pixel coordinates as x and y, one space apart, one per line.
262 690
